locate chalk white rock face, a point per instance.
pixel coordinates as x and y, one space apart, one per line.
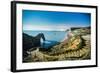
41 40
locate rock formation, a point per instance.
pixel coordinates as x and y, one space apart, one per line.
31 42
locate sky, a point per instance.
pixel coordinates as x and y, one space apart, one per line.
52 20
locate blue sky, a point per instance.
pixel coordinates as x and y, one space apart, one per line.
51 20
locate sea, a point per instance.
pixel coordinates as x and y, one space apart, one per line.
52 37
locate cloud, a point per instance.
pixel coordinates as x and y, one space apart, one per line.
53 27
46 27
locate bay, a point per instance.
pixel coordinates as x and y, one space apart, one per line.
52 37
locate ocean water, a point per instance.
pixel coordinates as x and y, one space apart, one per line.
52 37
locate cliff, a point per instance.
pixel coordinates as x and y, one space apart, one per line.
76 47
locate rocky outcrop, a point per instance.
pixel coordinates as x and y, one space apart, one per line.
31 42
